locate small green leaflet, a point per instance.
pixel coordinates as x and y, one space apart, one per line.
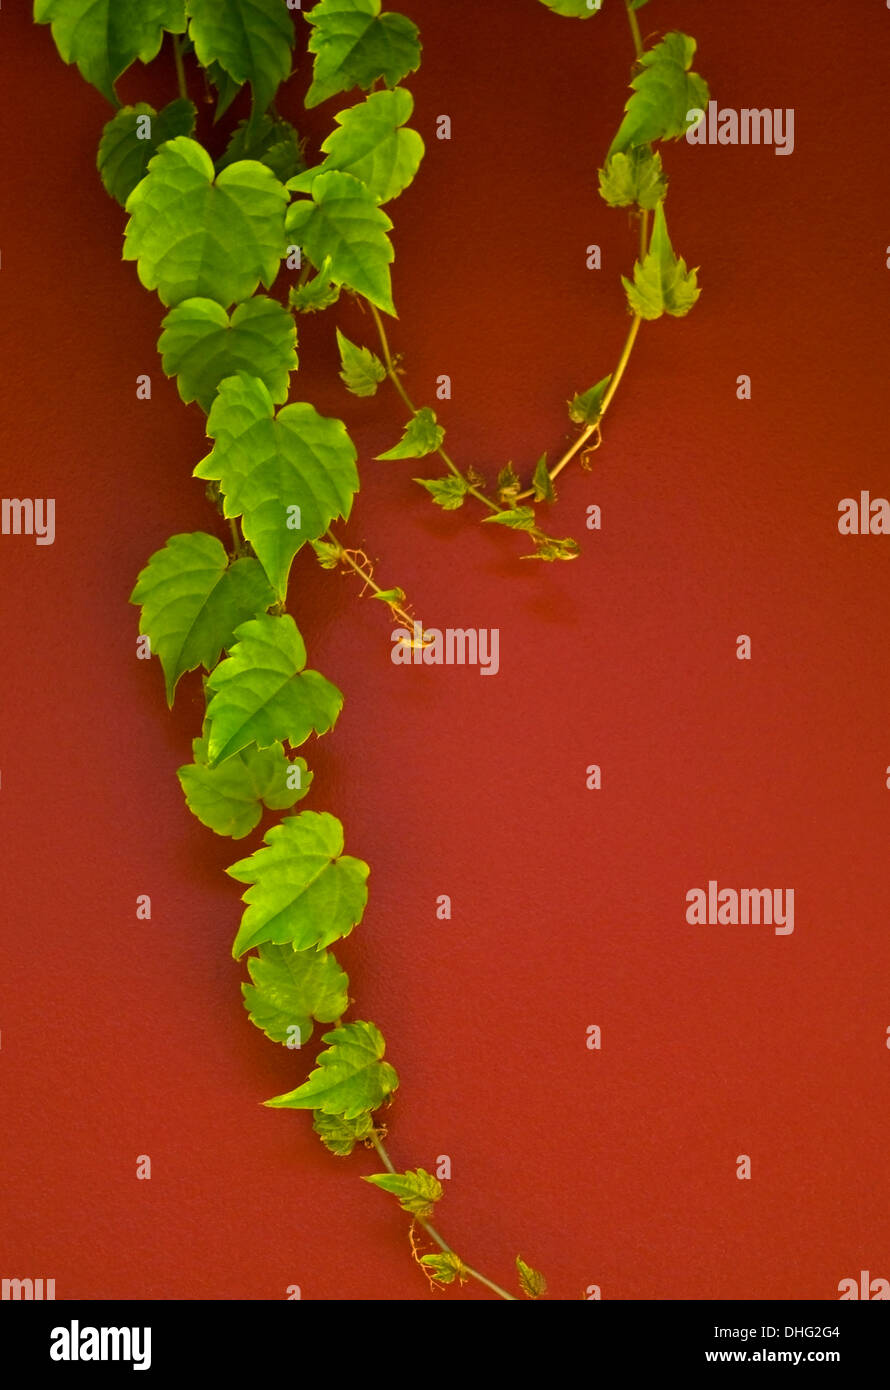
422 436
317 294
518 518
371 145
103 37
287 475
549 548
532 1283
633 178
542 482
662 284
251 40
343 226
327 555
361 370
417 1190
663 92
270 140
201 346
509 485
341 1136
263 695
193 600
446 1267
226 89
129 141
291 988
355 45
448 492
351 1078
304 889
586 408
574 9
229 797
193 236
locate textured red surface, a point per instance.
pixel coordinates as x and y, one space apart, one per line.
616 1167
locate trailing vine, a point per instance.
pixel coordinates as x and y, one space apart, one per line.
207 235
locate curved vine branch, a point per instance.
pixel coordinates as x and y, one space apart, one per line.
467 1270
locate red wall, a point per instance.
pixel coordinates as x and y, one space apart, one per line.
617 1167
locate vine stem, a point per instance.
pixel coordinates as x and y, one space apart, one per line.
348 558
618 373
236 537
433 1233
180 67
392 373
630 340
634 28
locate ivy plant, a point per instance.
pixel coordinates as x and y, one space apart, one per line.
210 235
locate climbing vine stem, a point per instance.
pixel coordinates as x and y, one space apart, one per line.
634 28
392 371
358 562
431 1231
180 67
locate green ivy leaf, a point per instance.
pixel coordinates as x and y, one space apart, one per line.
531 1281
361 370
103 37
124 154
193 600
267 465
446 1267
263 695
586 408
193 236
542 482
343 226
351 1078
417 1190
517 518
270 140
340 1136
355 46
661 284
229 797
251 40
448 492
201 345
574 9
304 889
663 91
422 436
633 178
372 146
291 988
317 294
